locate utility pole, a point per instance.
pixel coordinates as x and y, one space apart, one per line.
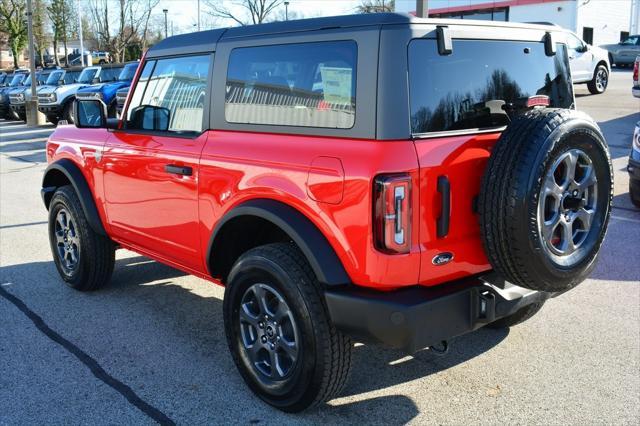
422 8
80 35
166 27
198 15
34 118
286 10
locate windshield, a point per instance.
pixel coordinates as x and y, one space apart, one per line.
17 79
27 81
87 75
54 77
71 77
128 72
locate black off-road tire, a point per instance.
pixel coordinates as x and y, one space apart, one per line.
518 317
324 358
67 112
53 119
597 86
634 192
510 196
96 256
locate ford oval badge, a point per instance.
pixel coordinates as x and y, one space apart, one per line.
442 258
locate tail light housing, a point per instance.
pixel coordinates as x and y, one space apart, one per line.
636 65
392 213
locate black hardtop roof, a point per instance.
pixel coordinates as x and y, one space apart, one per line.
205 41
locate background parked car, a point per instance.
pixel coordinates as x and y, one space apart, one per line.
19 96
636 78
17 78
100 58
106 91
589 64
625 52
57 102
634 168
121 98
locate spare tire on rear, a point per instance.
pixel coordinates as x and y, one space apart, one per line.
545 199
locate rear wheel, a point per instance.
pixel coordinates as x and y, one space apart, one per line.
545 199
279 332
600 80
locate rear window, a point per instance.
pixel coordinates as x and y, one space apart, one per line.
305 84
482 83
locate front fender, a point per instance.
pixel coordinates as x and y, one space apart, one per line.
52 181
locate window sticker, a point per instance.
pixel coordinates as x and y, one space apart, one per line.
336 84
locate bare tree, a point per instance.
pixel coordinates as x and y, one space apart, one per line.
376 6
40 37
243 12
12 14
132 18
60 13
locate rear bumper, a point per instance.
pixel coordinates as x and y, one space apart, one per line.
417 317
636 91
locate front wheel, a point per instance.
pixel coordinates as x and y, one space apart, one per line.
600 80
634 192
67 112
84 258
278 329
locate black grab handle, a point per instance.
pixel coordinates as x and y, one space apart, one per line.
178 170
442 225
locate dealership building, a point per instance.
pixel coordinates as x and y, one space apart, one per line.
596 21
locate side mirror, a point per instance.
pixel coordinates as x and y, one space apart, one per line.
90 113
150 117
95 80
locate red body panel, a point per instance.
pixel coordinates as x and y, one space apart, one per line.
171 217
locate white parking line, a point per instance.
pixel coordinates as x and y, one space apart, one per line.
25 132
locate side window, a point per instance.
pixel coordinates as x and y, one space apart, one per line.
170 95
574 42
305 84
631 41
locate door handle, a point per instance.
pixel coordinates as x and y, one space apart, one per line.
178 170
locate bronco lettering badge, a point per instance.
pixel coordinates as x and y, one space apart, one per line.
442 258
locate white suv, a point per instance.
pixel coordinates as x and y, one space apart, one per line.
589 64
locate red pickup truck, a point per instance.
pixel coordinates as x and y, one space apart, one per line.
372 177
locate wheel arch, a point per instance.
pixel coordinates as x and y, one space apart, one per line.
276 222
66 172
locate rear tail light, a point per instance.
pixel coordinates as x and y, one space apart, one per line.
636 65
392 213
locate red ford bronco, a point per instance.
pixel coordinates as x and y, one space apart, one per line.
376 177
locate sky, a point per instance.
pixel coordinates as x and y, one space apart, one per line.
183 13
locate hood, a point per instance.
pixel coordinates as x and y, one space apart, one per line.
609 47
47 88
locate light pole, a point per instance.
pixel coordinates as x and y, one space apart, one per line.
286 10
166 28
198 15
31 106
422 8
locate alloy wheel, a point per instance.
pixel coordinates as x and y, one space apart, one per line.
67 241
268 333
567 203
602 79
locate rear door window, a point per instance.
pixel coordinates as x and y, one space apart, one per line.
304 84
482 83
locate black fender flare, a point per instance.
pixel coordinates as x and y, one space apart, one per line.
316 248
73 174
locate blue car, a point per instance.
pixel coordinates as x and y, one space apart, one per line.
111 82
16 80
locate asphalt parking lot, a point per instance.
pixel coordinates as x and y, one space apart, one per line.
151 346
